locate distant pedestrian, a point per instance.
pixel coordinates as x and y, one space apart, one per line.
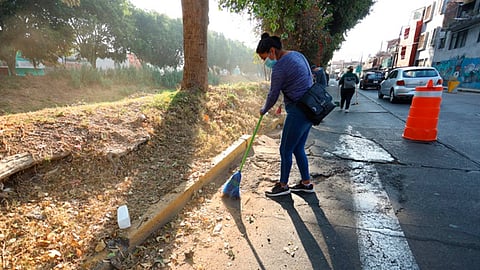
292 77
319 75
348 83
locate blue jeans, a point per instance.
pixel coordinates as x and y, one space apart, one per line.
294 136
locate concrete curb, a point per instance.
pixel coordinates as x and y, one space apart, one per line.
163 211
170 205
461 89
468 90
173 203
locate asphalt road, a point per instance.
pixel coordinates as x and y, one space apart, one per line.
410 205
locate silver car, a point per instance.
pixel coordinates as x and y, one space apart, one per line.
401 82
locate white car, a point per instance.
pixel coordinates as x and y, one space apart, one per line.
401 82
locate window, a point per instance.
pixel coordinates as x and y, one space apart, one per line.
419 73
418 14
434 36
441 43
374 76
406 33
420 62
441 7
442 37
462 37
393 74
422 41
458 39
453 41
428 13
403 52
407 74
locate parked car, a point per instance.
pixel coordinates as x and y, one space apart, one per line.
371 79
401 82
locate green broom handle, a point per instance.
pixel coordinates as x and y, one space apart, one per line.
250 143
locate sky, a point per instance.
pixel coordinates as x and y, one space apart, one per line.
385 21
233 26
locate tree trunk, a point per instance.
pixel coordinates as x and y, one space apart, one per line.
12 62
195 27
14 164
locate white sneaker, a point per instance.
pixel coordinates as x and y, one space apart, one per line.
347 110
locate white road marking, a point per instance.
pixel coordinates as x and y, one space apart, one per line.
382 243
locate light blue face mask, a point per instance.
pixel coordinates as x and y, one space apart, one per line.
270 63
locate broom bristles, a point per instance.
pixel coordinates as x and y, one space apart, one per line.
231 188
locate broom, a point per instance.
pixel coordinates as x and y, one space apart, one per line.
231 188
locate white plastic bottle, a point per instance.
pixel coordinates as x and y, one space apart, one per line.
123 218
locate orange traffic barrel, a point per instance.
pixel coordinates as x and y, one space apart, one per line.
422 118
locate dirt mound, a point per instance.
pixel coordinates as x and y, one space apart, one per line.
90 159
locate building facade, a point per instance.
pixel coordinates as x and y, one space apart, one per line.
409 38
432 23
444 34
457 45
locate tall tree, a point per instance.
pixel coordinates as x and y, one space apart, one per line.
314 27
218 51
157 39
195 29
102 29
38 28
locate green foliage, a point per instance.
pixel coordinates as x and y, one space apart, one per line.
144 77
45 30
85 76
213 79
157 39
125 75
101 29
168 79
162 100
228 54
40 29
313 27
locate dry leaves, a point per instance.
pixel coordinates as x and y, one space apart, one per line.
60 213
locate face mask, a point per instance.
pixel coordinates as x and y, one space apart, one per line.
270 63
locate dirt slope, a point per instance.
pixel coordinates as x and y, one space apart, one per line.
62 211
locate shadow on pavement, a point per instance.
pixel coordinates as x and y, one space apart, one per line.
340 259
336 251
313 250
235 209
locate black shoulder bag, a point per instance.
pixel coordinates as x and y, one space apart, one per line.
316 103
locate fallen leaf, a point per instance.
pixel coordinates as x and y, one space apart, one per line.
54 253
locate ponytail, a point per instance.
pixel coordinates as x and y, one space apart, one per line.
267 42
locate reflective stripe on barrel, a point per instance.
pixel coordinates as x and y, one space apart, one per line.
428 93
422 120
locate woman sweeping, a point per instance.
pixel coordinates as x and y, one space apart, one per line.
292 77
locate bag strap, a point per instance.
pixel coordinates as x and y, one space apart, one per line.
308 68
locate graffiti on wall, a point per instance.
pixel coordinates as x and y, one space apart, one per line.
465 70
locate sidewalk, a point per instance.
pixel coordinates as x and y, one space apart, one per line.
168 207
257 232
296 231
461 89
